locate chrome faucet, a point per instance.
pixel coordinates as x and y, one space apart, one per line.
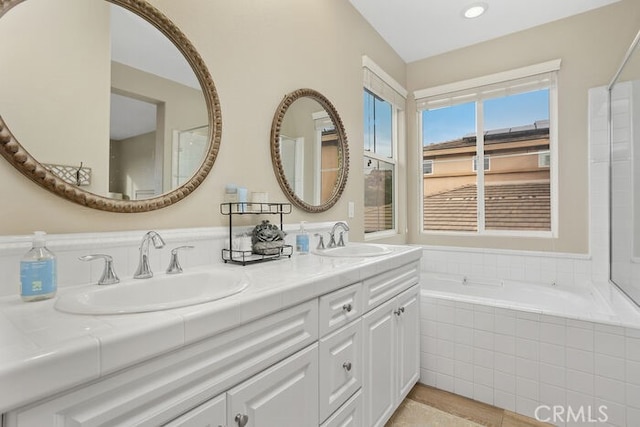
144 271
332 234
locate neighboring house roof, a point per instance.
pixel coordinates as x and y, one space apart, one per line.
539 129
514 206
377 218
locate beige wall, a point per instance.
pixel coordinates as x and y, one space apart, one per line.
54 122
591 47
257 52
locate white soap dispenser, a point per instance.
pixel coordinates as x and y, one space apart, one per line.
38 275
302 240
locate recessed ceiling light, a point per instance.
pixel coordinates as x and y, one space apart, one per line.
474 10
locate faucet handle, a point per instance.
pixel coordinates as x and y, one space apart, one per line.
320 241
109 276
341 240
174 264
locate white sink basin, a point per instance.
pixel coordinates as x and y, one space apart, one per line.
354 250
160 292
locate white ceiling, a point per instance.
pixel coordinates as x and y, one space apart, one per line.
418 29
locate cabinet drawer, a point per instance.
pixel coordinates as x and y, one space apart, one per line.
385 286
339 308
349 415
210 414
340 367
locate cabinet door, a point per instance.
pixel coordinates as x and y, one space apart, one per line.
284 395
408 340
212 413
340 367
379 351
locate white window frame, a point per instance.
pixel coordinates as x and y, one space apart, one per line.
382 85
472 90
544 159
486 163
429 162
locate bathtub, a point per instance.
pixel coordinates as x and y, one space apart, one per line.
588 302
529 347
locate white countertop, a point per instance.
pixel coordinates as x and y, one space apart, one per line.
44 351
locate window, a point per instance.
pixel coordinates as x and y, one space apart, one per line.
383 101
475 163
427 167
510 123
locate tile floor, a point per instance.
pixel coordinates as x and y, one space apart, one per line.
427 406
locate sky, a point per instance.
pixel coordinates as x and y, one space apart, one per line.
450 123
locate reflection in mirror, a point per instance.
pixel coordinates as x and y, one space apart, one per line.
309 150
624 125
91 83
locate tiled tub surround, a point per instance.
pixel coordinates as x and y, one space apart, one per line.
45 351
519 360
508 337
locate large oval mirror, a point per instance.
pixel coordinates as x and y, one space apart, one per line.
105 103
309 150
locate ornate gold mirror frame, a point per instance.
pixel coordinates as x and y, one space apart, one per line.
276 157
20 158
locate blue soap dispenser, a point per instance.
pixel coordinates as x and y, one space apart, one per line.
38 275
302 240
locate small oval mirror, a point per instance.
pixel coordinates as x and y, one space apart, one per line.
309 150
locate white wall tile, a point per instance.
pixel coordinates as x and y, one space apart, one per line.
610 367
553 375
609 344
483 393
552 333
505 382
633 348
633 395
526 368
580 338
463 353
581 382
505 344
483 339
483 358
463 388
464 317
633 372
552 354
504 363
504 400
580 360
445 382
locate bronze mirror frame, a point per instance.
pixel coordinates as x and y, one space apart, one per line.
24 162
276 158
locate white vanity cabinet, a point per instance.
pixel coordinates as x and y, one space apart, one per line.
346 358
391 355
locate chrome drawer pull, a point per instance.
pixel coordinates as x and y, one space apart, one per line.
347 366
242 420
399 311
347 308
